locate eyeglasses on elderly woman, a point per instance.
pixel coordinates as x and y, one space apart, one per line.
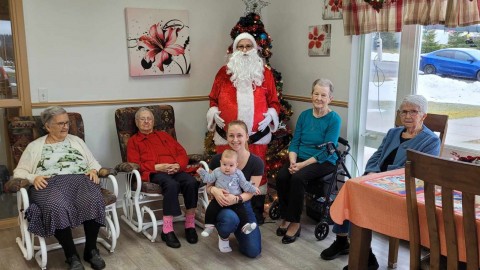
404 113
62 124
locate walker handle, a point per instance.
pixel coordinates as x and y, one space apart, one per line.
204 165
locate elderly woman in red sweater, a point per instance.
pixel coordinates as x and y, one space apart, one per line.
163 161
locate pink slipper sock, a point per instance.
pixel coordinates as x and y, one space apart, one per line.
190 221
167 224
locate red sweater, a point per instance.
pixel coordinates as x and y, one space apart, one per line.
155 148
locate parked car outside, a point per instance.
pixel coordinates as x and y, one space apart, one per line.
456 62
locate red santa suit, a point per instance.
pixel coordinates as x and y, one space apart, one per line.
249 107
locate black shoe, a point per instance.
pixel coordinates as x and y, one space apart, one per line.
336 249
171 239
290 239
93 257
191 235
74 263
281 231
372 262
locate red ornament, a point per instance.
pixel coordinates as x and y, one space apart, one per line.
256 17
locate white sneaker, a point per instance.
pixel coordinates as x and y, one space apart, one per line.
224 245
249 227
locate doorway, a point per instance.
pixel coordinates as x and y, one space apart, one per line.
14 90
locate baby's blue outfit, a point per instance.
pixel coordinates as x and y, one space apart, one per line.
233 183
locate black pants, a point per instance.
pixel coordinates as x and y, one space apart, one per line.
214 208
258 202
172 185
291 188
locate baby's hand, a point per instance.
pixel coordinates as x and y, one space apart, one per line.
257 191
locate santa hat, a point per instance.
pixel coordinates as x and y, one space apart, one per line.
245 35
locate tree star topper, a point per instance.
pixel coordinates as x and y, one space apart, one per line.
255 6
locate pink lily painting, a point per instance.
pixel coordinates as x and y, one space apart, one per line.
158 41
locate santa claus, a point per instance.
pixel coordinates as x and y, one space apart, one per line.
245 90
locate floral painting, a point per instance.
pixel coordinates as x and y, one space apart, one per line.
332 9
158 41
319 40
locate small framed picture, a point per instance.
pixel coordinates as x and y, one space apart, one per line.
332 10
319 40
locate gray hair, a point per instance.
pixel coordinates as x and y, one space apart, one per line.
416 100
323 83
50 112
143 109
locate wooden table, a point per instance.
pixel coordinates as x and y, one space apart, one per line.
383 209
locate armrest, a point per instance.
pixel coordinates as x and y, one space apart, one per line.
105 172
194 159
127 167
15 184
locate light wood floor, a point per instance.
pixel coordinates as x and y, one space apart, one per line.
134 251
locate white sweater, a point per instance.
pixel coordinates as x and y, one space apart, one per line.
31 156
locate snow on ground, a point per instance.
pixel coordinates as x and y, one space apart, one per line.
434 88
392 57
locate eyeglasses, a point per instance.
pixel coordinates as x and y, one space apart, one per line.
148 119
243 47
62 124
404 113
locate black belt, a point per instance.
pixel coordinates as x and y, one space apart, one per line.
252 139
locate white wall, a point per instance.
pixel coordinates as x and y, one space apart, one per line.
77 50
287 23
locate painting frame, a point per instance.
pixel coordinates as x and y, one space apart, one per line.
158 41
319 40
332 10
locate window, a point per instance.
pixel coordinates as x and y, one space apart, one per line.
452 87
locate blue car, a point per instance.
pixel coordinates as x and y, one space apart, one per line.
457 62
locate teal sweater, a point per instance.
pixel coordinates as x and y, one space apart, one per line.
311 131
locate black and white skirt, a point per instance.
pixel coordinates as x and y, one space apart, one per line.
67 201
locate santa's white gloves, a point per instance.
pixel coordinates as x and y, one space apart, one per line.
264 123
218 120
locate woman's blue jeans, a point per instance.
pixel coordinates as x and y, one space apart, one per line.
227 223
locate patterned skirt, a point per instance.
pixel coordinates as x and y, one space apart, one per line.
67 201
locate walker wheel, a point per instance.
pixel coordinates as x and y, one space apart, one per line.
273 212
321 230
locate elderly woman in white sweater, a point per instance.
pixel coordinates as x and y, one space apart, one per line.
64 191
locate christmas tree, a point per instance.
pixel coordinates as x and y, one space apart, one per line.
277 153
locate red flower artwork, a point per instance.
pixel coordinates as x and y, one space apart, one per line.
315 39
335 5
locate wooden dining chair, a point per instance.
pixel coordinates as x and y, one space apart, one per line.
437 123
449 175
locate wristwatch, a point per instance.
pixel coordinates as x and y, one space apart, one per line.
240 199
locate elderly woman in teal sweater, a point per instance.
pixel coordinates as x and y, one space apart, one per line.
307 161
391 155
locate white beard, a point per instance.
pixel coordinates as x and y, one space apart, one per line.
247 71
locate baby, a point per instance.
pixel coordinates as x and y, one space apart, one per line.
231 179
